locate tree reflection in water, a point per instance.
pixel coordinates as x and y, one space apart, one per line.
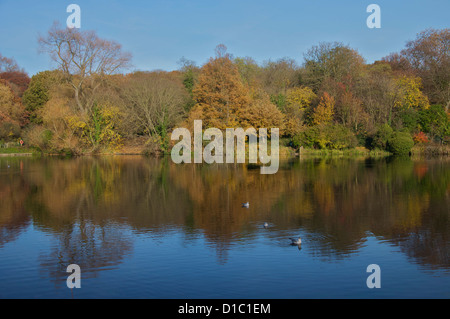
94 205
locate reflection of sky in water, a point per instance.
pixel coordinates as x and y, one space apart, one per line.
141 230
168 266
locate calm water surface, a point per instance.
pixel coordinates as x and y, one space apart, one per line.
147 228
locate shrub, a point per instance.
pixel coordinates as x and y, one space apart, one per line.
306 138
420 138
435 121
400 143
341 137
336 137
39 137
382 136
9 130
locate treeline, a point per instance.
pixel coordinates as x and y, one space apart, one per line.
333 100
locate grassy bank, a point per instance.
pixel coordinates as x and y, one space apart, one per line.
17 150
351 152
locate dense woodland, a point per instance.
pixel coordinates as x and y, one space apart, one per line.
332 100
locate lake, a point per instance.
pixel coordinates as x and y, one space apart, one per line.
142 227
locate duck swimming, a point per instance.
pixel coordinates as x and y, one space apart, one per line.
296 241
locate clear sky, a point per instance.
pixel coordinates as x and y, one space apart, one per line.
159 32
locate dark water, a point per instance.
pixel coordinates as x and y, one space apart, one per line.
146 228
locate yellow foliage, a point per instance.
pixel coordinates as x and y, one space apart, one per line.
409 94
300 97
323 113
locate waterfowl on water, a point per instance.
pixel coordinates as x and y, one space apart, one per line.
296 241
246 205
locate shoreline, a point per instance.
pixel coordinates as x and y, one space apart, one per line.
285 152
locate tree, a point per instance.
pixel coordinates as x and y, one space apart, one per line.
397 62
58 120
323 113
429 56
408 93
12 113
153 103
298 101
8 65
221 97
17 80
331 60
84 59
377 90
39 91
300 98
278 76
190 72
249 70
261 112
435 122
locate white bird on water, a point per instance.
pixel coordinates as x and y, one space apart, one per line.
296 241
246 205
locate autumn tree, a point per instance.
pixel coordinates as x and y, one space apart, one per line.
154 103
397 63
17 80
12 113
429 56
298 102
221 97
349 110
39 92
331 60
408 93
324 111
376 89
84 59
348 107
261 112
249 70
58 120
8 65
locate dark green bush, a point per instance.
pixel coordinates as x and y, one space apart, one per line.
380 139
400 143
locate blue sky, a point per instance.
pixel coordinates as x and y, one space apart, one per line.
159 32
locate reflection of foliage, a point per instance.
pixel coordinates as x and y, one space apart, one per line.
92 247
13 217
92 201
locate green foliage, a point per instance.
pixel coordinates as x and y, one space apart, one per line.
279 100
400 143
409 119
336 137
188 80
435 121
38 93
382 136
